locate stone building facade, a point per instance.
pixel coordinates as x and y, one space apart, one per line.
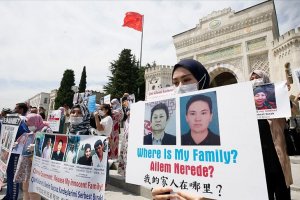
231 44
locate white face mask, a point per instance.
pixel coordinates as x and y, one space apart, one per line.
32 128
114 106
257 82
190 87
101 113
76 120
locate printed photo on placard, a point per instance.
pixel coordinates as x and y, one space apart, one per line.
84 156
47 146
199 119
264 97
39 140
160 123
4 156
72 149
99 158
29 140
59 148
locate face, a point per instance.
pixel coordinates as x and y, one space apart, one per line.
59 146
87 152
99 150
18 109
182 76
34 110
198 116
103 109
48 142
260 98
159 120
254 76
125 103
76 112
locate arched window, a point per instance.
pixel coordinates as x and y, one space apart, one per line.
288 73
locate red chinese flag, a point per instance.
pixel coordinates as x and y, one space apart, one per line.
133 20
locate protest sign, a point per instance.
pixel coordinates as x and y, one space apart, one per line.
296 77
106 99
227 164
160 93
54 120
272 100
9 131
69 167
92 103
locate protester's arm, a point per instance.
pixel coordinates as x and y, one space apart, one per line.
166 193
97 120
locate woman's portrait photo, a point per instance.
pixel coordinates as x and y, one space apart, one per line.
264 97
199 121
160 123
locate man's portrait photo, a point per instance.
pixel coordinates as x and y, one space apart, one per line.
47 146
199 121
85 155
72 148
99 159
160 123
59 148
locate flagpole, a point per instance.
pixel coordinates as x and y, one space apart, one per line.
141 51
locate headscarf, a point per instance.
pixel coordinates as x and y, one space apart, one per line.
84 127
36 120
117 103
196 69
261 74
258 90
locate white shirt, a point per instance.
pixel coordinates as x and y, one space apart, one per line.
46 152
97 163
107 123
70 157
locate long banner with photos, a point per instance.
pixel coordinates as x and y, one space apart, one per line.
69 167
225 164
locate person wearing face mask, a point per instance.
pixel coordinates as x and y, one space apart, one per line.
188 75
79 120
276 160
22 175
104 127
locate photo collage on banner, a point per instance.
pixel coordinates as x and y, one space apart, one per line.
201 142
69 167
9 131
272 100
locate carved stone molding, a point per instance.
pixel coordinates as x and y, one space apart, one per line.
260 62
256 44
225 29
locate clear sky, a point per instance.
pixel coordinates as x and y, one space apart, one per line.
39 40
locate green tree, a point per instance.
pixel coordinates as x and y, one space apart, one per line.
82 83
125 76
65 93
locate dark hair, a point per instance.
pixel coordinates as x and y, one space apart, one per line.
108 108
196 69
87 146
124 99
199 98
23 106
60 141
258 90
158 107
97 143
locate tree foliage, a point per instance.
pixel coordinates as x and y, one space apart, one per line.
126 77
82 83
65 93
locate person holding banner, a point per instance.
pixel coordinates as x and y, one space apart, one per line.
276 160
79 120
22 175
188 75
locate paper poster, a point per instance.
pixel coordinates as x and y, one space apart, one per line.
92 103
69 167
106 99
160 93
272 101
296 77
212 148
9 131
54 120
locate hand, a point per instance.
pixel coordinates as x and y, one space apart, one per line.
15 144
187 196
96 113
163 193
30 147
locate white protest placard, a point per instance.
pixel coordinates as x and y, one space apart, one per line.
272 100
69 167
106 99
228 163
9 131
160 93
296 77
54 120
